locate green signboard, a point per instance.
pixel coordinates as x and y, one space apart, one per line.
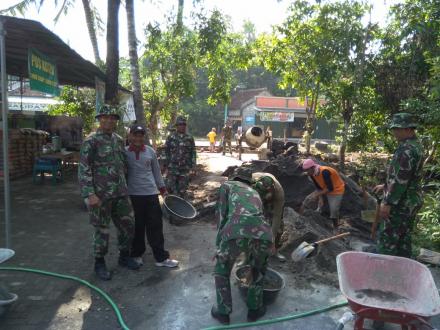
42 73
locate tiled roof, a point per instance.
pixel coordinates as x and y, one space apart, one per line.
242 96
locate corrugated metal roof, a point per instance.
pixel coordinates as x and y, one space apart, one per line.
22 34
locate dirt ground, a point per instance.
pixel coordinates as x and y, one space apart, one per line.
51 232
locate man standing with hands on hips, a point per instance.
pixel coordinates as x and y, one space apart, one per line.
402 192
144 185
101 175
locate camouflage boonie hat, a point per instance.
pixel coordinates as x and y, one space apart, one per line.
108 110
403 120
263 185
241 173
180 120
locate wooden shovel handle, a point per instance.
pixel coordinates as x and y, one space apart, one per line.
332 238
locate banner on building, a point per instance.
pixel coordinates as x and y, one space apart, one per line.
43 74
277 116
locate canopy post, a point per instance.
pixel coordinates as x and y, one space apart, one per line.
4 93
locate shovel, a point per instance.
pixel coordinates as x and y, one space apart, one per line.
305 249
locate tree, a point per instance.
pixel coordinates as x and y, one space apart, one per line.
77 103
112 61
134 65
407 66
221 54
321 51
168 71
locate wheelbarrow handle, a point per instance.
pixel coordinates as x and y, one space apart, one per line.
331 238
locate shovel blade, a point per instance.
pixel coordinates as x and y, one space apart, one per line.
302 251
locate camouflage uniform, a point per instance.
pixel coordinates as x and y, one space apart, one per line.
101 171
227 137
402 192
273 207
181 156
241 228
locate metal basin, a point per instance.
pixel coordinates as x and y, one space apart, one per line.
275 279
178 210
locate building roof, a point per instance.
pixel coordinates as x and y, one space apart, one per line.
244 95
22 34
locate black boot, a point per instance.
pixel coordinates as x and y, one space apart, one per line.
255 314
335 223
126 261
101 270
222 318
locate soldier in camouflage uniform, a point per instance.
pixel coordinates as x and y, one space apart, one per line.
241 228
227 137
273 206
402 190
101 174
180 160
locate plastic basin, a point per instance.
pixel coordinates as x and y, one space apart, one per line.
269 294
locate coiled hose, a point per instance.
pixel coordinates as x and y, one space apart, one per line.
77 279
125 327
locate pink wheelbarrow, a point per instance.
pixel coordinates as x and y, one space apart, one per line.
389 289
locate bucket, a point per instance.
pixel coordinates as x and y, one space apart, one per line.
178 210
56 142
270 292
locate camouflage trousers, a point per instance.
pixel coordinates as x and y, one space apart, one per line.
229 143
257 252
395 232
177 183
118 210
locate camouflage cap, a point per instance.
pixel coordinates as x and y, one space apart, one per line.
241 173
108 110
180 120
263 185
403 120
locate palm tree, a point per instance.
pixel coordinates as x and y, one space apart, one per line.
112 61
134 64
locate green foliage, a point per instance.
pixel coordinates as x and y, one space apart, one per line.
427 233
77 103
221 53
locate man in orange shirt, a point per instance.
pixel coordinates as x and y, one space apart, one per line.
329 183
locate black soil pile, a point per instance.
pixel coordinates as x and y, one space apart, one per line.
311 225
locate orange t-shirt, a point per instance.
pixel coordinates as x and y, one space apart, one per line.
336 181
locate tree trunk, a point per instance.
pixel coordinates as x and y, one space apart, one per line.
179 20
134 67
90 21
347 114
310 112
112 62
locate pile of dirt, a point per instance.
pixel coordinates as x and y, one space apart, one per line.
311 225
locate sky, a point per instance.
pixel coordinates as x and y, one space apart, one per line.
72 28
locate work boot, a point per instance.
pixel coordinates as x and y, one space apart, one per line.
126 261
255 314
222 318
335 223
102 272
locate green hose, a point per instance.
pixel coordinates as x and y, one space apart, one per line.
125 327
279 319
68 277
